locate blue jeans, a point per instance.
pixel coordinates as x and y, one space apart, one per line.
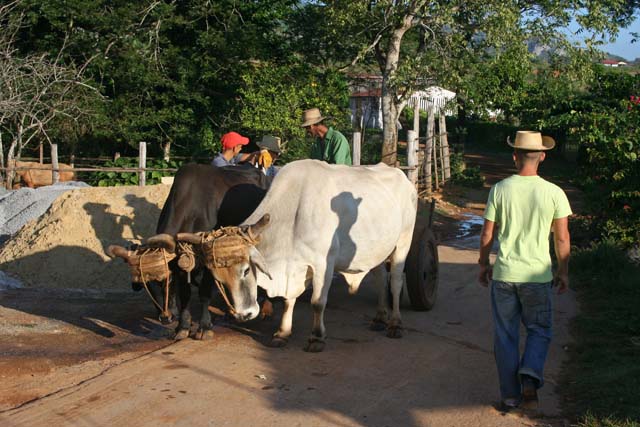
512 303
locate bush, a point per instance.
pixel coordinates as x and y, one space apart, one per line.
605 124
116 179
469 177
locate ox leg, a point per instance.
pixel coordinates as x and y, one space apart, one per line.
281 337
321 284
184 295
205 330
381 278
398 258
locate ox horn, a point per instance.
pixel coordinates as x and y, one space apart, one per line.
259 226
162 241
118 251
193 238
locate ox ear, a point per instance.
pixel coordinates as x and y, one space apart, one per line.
259 226
162 241
258 260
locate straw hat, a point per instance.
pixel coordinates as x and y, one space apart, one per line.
532 140
271 143
311 117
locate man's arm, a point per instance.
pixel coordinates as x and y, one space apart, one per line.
562 245
248 157
486 242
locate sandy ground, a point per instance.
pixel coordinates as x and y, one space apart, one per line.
441 373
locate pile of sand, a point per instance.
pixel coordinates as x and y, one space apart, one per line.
66 246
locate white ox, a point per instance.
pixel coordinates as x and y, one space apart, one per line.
316 219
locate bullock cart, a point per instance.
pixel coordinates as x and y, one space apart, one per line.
421 268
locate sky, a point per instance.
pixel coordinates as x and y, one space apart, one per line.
622 46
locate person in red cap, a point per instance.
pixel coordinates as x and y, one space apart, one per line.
232 143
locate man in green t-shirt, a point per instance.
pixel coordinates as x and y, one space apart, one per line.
330 145
521 212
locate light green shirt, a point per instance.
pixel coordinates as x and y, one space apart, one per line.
523 208
334 148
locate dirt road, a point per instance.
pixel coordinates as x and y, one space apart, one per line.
441 373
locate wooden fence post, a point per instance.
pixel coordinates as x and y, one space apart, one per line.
444 145
435 159
428 146
54 163
412 156
41 154
142 164
416 117
357 140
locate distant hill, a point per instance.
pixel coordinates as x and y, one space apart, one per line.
616 57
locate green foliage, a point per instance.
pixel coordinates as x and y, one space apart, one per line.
606 127
605 353
168 68
456 163
117 179
468 177
371 150
489 136
274 96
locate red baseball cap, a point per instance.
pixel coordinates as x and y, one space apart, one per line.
231 139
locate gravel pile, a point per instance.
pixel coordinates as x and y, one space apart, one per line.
64 247
21 206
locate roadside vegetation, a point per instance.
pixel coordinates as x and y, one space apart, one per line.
602 378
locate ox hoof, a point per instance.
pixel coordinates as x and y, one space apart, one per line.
204 334
181 334
314 346
394 332
378 325
278 342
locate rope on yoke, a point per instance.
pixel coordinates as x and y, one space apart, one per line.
155 270
186 259
223 292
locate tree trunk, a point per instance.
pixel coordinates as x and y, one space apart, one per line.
390 101
389 130
166 150
3 173
11 172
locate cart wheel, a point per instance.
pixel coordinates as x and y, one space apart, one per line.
421 268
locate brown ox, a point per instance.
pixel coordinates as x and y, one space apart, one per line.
34 174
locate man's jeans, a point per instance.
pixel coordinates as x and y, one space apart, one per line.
531 304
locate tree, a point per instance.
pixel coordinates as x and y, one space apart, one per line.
171 70
35 91
416 43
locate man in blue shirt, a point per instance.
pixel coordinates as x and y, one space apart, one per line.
232 143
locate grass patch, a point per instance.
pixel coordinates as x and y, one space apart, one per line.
602 380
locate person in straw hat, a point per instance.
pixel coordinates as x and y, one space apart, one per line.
330 145
521 210
270 150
